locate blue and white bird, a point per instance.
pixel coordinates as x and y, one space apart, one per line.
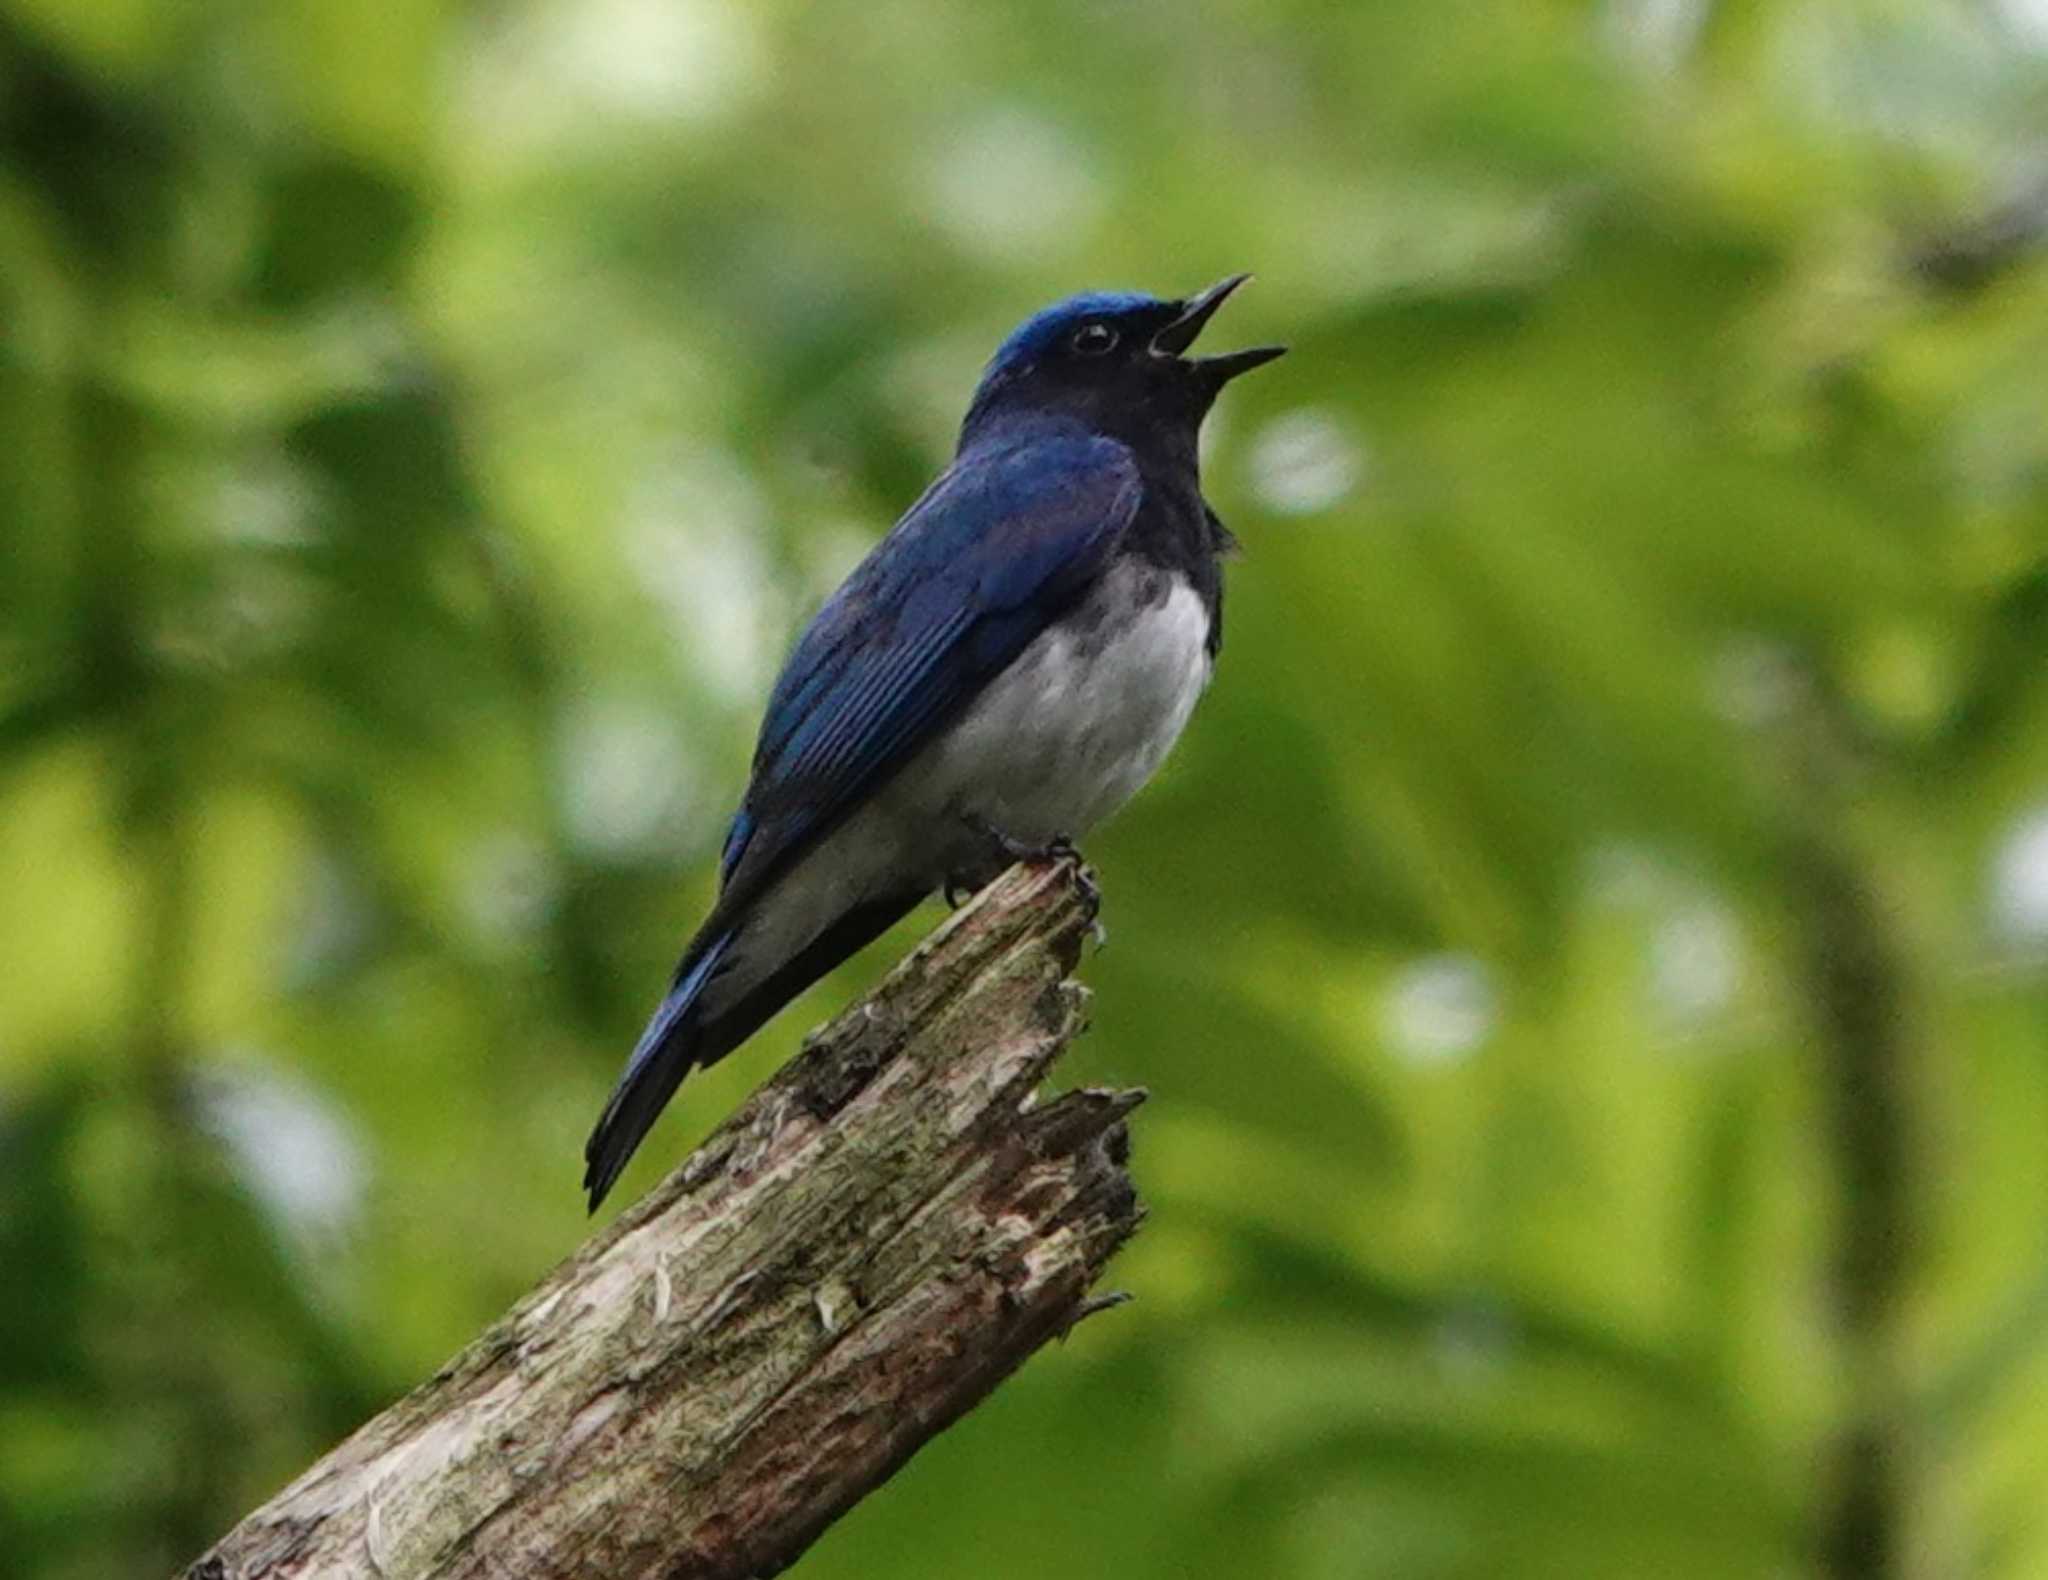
1005 669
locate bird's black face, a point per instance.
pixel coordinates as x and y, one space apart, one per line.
1117 363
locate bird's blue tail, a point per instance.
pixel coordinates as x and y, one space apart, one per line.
664 1055
686 1034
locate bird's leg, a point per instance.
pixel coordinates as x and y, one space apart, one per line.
1011 848
1060 847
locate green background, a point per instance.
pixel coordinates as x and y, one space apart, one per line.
1590 954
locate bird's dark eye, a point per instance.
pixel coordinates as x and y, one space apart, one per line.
1092 340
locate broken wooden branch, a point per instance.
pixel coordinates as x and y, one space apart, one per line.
880 1235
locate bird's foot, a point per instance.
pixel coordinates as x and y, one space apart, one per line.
1010 848
1060 847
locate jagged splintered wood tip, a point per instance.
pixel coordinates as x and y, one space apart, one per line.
874 1240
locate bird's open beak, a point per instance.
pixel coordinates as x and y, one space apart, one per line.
1177 336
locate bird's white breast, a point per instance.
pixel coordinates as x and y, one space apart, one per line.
1053 745
1083 716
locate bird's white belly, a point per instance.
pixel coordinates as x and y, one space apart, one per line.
1081 718
1055 743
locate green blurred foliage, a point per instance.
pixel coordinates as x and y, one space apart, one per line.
422 428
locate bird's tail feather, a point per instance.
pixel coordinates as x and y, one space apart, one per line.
663 1056
681 1038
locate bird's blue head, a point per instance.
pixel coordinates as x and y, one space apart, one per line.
1115 361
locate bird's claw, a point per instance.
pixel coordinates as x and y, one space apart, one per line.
1007 845
1060 847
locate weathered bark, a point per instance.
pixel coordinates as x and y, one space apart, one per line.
879 1236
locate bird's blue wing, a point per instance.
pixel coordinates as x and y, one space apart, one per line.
996 549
